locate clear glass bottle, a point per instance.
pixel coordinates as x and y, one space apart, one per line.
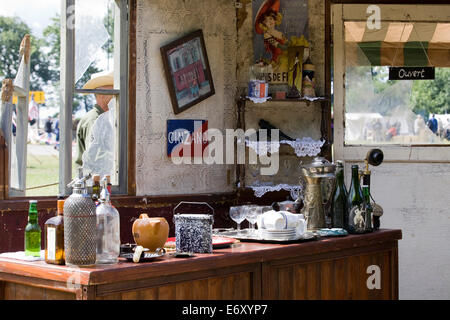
108 229
54 236
33 232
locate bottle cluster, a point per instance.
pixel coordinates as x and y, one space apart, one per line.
85 230
352 210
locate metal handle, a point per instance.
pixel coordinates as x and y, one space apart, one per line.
199 203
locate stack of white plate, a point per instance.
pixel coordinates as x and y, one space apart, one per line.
282 235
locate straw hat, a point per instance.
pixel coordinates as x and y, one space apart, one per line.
268 5
100 79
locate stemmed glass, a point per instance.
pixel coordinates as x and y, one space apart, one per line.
237 214
251 215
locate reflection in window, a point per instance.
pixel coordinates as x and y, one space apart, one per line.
382 111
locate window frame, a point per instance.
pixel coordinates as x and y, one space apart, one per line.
355 10
121 89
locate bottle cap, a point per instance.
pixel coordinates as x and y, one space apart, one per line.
60 205
104 194
108 178
33 201
96 178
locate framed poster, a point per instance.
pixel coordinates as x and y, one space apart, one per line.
187 71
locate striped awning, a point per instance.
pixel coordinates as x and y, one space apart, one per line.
398 44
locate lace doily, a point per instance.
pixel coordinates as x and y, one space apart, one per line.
262 190
258 100
302 147
305 146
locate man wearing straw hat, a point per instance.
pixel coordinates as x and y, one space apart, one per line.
84 138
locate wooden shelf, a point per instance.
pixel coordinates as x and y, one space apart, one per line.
302 99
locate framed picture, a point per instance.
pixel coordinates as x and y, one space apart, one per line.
187 71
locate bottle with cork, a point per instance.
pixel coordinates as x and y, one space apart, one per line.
54 236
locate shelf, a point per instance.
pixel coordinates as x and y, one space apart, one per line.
305 147
302 99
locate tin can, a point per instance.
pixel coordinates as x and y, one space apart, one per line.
193 232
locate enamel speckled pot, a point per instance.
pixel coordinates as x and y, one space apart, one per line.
193 232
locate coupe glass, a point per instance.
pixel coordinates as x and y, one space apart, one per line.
237 214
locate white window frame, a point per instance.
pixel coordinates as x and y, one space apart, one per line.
392 153
120 90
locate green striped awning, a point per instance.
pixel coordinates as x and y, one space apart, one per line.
398 44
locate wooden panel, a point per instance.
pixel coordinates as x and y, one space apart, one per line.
234 286
341 278
200 289
16 291
313 281
299 290
167 292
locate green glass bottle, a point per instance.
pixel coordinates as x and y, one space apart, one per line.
367 205
339 204
33 232
355 212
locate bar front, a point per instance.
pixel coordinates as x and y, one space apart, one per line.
219 149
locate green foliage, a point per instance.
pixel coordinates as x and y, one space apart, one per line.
430 97
12 31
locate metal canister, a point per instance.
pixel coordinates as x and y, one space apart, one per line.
80 225
193 232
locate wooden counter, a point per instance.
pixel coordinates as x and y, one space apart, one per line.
329 268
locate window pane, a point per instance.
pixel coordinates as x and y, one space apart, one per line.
383 111
96 115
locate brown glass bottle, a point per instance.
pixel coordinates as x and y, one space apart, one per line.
54 236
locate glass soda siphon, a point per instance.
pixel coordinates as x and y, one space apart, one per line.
108 228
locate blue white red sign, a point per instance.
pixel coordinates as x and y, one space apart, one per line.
186 137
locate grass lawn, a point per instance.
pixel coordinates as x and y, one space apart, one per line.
43 170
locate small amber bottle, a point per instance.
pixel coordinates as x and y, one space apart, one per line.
54 236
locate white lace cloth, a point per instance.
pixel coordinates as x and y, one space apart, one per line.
258 100
262 190
302 147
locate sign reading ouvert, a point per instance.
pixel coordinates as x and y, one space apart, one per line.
411 73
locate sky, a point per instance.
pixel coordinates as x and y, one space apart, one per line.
35 13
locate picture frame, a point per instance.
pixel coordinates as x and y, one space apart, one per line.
188 74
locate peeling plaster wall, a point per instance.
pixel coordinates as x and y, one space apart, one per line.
158 23
415 198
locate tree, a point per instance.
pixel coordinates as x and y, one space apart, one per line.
432 97
12 31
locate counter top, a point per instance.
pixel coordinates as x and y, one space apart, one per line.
239 254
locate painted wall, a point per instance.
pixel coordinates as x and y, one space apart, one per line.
415 198
159 22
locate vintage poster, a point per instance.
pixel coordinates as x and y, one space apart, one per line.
280 34
186 135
